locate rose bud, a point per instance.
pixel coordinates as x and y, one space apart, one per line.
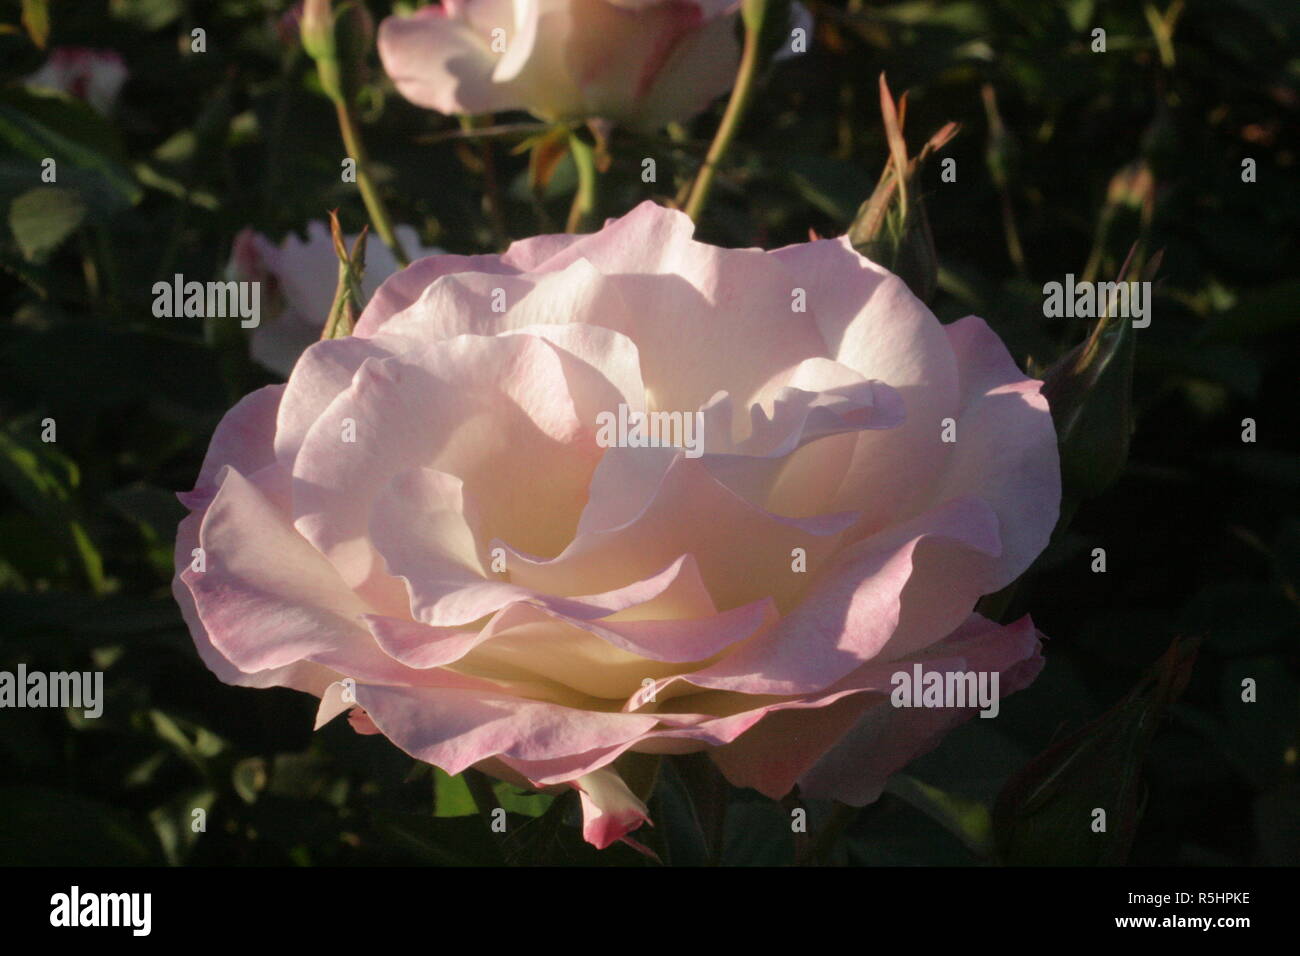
891 227
338 38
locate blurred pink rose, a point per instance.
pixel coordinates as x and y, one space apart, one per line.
635 62
298 281
426 521
95 76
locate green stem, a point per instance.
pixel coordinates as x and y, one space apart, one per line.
736 107
480 790
1014 249
356 149
584 200
492 199
339 323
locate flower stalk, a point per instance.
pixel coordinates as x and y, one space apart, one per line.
584 200
337 40
754 14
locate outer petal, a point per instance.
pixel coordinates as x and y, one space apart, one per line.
403 289
887 738
454 729
1006 448
305 676
243 440
471 302
267 599
444 63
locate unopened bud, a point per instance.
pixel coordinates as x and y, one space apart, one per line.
339 40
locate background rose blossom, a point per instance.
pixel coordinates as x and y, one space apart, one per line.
637 62
474 430
95 76
298 280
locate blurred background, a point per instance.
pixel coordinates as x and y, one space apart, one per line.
1066 158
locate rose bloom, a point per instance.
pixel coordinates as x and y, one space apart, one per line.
637 62
298 279
95 76
422 525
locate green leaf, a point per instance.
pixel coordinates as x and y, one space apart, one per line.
891 832
36 18
177 734
1259 734
249 778
523 802
37 125
33 478
451 796
1047 813
968 820
1089 390
147 15
832 185
174 823
42 218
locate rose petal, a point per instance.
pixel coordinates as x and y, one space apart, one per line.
454 729
243 440
1006 447
887 738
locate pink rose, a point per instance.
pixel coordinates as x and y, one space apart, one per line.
298 281
95 76
637 62
429 519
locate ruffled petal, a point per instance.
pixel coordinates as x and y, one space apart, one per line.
1005 450
443 63
454 729
886 738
